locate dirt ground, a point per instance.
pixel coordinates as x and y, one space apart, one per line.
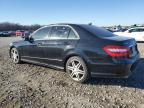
30 86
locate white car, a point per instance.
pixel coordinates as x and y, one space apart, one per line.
137 33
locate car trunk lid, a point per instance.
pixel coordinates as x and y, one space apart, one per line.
124 41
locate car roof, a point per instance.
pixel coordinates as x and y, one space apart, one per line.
62 24
70 24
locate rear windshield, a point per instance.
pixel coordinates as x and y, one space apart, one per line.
97 31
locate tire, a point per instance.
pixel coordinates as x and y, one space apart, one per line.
15 56
77 69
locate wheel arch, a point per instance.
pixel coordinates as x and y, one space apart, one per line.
72 55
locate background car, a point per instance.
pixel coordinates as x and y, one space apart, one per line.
19 32
1 33
81 50
137 33
12 33
5 34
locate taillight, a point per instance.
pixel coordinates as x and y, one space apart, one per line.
117 51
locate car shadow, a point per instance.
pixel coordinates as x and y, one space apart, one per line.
136 80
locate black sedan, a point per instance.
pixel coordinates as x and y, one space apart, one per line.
83 51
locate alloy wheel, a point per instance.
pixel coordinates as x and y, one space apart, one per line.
15 55
76 70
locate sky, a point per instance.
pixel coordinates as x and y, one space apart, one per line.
99 12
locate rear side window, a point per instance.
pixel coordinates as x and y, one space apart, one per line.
42 33
97 31
59 32
72 35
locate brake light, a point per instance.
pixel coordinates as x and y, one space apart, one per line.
117 51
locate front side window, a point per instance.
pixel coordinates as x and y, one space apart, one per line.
60 32
42 33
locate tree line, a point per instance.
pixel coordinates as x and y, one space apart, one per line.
6 26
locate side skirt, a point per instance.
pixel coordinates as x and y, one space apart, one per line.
43 64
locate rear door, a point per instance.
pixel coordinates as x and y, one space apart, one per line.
59 44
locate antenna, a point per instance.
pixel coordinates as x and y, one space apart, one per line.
90 23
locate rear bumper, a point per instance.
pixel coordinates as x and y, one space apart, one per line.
111 71
122 69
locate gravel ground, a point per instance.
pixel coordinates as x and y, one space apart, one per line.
30 86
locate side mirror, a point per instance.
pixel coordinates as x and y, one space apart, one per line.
29 38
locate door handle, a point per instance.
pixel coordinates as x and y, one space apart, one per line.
39 44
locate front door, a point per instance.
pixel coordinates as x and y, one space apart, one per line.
34 50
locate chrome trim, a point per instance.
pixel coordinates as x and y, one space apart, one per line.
44 64
42 58
78 37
